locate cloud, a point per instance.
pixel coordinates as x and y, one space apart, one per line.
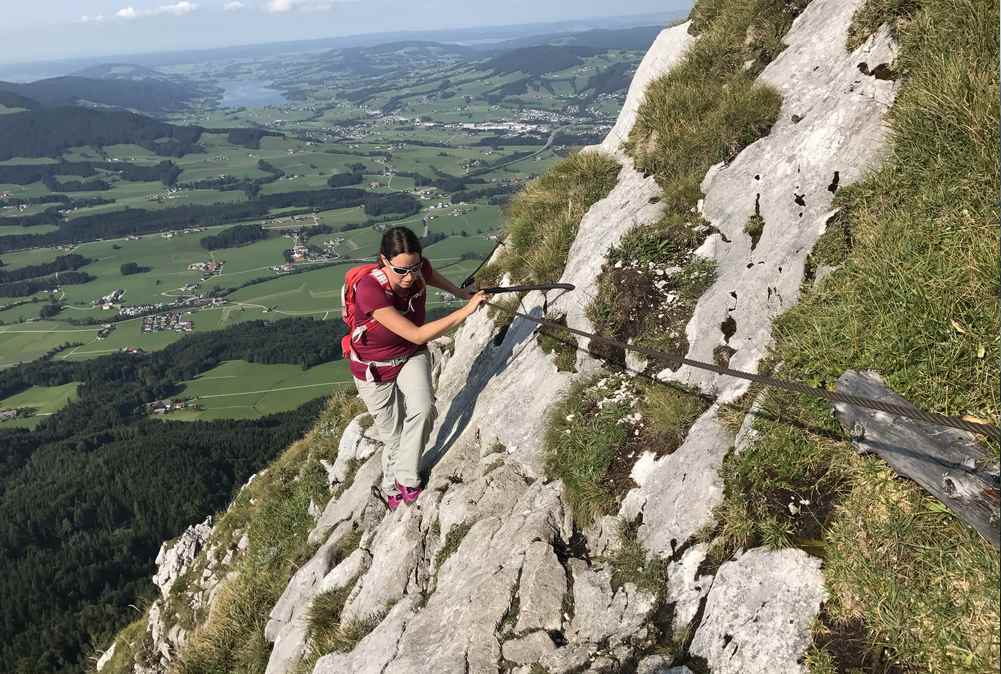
177 9
92 19
182 8
287 6
234 6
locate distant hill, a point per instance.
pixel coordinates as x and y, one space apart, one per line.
121 71
538 60
11 100
372 60
147 95
47 132
639 38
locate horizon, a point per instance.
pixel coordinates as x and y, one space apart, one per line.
157 31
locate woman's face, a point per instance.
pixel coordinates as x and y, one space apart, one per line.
396 269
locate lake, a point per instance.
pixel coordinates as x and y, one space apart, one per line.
249 94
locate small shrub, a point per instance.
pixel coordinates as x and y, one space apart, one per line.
649 287
754 228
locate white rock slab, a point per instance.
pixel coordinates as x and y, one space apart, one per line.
760 612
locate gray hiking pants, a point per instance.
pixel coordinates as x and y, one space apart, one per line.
404 413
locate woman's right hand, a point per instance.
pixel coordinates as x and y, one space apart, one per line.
474 303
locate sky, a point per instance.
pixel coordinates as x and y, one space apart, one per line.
58 29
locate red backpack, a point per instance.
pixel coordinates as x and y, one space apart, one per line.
351 279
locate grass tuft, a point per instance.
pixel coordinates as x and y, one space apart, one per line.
545 217
451 544
874 13
631 564
561 344
649 287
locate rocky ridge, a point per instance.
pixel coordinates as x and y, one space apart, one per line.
487 572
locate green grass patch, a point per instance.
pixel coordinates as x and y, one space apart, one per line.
709 107
874 13
582 440
545 217
43 400
274 512
599 430
632 564
915 298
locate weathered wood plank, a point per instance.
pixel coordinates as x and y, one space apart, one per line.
950 464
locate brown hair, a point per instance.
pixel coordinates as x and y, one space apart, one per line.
399 240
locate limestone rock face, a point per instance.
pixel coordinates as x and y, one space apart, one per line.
678 494
829 133
759 612
174 560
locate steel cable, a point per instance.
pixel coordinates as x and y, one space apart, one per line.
676 360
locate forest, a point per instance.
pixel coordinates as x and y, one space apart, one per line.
142 221
234 236
69 262
88 496
48 132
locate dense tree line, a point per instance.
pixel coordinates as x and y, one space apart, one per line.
433 238
88 496
50 216
539 60
252 186
473 195
249 137
69 262
346 179
47 132
234 236
24 174
76 185
614 78
142 221
152 94
37 285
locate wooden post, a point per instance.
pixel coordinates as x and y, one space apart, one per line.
948 463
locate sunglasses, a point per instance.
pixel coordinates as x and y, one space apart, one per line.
403 271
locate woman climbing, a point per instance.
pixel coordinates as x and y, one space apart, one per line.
384 308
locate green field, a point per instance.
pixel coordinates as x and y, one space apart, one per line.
46 400
326 133
237 389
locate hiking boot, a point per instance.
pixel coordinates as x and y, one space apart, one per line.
407 494
393 501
